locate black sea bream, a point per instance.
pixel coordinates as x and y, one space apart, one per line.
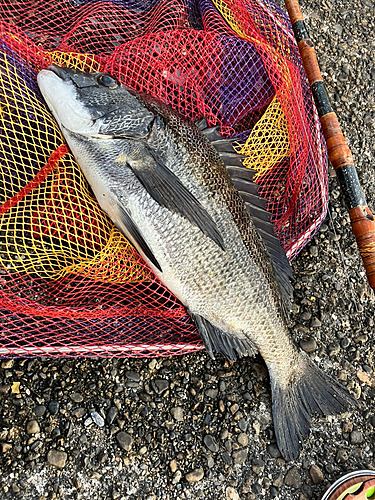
169 192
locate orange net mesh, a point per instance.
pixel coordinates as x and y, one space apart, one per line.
70 283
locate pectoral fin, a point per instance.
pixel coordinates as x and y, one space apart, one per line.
167 190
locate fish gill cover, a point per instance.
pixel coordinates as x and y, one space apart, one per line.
70 283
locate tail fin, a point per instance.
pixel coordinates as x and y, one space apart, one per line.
293 406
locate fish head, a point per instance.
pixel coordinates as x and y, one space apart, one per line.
94 104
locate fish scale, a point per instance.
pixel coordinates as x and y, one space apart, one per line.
167 190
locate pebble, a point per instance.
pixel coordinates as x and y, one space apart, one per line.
314 251
32 427
5 447
242 425
112 414
7 364
316 474
195 475
160 386
124 440
242 439
78 412
257 489
57 458
134 376
273 492
341 456
315 323
256 427
4 389
239 457
293 478
211 443
234 408
98 419
212 393
173 465
345 342
224 434
231 494
273 450
308 344
177 477
15 387
361 338
56 433
347 427
177 413
334 349
152 364
357 391
366 377
278 481
53 407
39 410
76 397
36 445
306 315
356 437
15 488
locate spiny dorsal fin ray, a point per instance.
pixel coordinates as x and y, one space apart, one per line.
242 178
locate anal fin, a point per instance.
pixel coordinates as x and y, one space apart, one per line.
215 340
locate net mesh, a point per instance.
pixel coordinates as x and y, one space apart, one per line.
70 283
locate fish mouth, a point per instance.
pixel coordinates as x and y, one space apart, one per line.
60 72
80 79
61 94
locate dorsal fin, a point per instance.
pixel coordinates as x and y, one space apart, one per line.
242 178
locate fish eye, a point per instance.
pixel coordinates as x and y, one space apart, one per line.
108 81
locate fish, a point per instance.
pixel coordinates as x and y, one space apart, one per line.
180 194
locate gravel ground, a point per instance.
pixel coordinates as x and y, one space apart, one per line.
188 427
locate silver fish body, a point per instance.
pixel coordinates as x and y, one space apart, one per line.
166 188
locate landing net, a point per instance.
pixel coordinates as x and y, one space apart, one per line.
70 283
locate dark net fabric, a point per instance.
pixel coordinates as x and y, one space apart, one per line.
70 283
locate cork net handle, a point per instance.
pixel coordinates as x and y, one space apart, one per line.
340 156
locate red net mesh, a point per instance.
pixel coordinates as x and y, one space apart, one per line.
70 283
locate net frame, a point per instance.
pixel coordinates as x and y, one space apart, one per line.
158 324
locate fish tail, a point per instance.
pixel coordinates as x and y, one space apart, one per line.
295 403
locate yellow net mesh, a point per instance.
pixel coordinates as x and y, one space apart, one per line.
56 228
268 142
